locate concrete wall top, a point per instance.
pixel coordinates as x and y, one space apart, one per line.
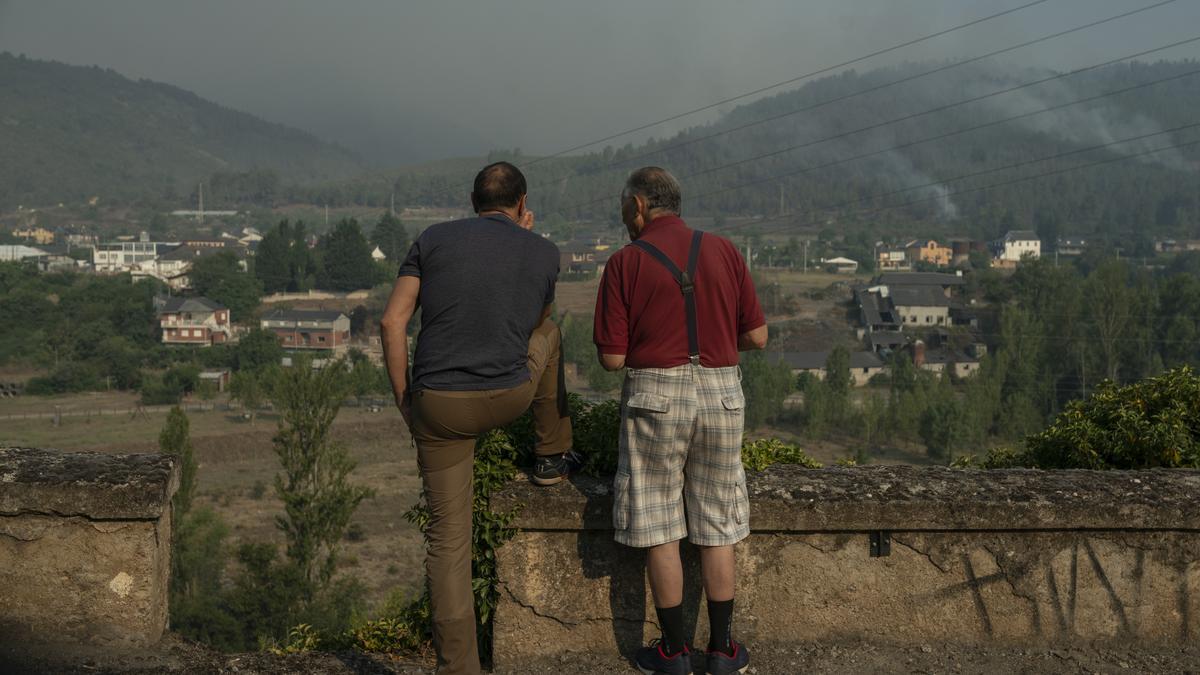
93 485
857 499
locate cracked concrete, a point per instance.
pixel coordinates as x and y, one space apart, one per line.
1119 573
85 548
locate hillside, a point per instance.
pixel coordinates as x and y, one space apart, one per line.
1153 194
70 133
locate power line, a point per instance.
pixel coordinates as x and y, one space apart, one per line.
782 83
902 80
941 108
793 80
993 185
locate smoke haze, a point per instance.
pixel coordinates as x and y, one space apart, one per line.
406 82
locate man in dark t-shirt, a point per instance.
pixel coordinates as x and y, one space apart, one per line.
486 353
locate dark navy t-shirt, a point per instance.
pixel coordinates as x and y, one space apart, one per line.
484 283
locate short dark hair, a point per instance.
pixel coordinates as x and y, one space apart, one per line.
498 185
657 186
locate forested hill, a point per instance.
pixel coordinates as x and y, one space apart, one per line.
70 133
1153 194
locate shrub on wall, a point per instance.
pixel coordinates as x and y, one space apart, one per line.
1151 423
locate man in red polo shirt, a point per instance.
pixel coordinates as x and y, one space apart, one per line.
675 307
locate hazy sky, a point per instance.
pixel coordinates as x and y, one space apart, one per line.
404 81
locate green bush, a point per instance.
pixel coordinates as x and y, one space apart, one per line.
595 430
758 455
155 391
67 379
1152 423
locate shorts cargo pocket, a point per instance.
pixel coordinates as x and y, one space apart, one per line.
650 403
741 503
735 402
737 499
621 502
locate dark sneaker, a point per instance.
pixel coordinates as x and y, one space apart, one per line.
720 663
553 469
652 661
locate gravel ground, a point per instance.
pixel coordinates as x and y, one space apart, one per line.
178 656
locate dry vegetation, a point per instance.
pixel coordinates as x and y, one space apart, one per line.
237 467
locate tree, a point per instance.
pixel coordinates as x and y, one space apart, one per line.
247 388
818 408
258 349
208 271
766 385
346 258
220 277
365 377
198 559
303 262
271 260
241 294
175 439
391 237
837 372
120 362
942 421
318 499
1109 300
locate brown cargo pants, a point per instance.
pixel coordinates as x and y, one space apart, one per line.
445 426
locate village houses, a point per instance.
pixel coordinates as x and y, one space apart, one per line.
308 328
193 321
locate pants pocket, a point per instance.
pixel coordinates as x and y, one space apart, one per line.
621 502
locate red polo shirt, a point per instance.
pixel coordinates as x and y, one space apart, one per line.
639 309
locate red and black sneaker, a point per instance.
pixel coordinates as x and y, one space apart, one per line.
717 662
653 660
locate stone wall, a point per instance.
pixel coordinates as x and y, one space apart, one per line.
891 554
85 543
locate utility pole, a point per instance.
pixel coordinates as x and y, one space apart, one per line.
781 199
200 213
805 256
327 216
393 206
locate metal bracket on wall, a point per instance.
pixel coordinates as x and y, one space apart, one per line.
881 543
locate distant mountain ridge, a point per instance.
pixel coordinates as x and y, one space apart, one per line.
797 169
70 133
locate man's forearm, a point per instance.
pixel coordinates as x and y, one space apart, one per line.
753 339
395 355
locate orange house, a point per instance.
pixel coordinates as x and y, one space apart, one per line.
928 250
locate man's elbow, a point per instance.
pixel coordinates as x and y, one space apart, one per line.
755 339
612 362
390 323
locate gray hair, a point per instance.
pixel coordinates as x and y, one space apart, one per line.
657 186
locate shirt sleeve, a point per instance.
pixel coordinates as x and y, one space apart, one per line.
411 267
610 331
750 314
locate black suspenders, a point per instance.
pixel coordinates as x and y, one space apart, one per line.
686 281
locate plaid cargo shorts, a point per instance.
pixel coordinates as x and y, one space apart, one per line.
680 446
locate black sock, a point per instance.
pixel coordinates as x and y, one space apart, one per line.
720 621
671 620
